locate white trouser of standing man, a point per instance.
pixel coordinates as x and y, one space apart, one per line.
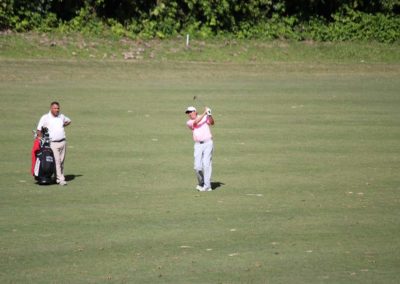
203 162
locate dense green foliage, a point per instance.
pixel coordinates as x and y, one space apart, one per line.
306 19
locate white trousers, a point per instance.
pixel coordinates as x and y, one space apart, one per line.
59 149
203 162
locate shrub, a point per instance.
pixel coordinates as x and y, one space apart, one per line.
353 25
266 19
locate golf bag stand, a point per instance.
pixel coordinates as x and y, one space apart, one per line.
44 167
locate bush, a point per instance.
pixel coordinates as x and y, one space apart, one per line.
265 19
86 22
275 28
353 25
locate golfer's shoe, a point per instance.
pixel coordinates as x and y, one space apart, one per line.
62 182
207 189
199 188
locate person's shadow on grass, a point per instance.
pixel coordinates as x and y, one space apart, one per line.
71 177
216 185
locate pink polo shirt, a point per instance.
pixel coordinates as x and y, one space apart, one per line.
201 131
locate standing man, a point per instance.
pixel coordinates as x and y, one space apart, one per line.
56 122
203 145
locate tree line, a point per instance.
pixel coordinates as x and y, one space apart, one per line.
295 19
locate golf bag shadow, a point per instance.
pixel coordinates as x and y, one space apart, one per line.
44 167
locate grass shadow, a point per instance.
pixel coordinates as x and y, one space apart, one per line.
216 185
71 177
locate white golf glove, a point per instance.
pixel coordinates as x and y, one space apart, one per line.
208 111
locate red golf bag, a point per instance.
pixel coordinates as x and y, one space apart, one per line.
43 163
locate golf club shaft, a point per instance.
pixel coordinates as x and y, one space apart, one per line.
200 101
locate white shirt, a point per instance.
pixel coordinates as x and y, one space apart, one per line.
55 124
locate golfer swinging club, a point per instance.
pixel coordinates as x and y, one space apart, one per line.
203 146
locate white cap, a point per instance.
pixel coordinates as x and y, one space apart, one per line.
190 109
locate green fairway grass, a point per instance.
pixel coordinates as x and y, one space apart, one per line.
305 170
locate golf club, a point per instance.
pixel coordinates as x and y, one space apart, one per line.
198 99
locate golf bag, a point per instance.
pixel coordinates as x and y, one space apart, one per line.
45 166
